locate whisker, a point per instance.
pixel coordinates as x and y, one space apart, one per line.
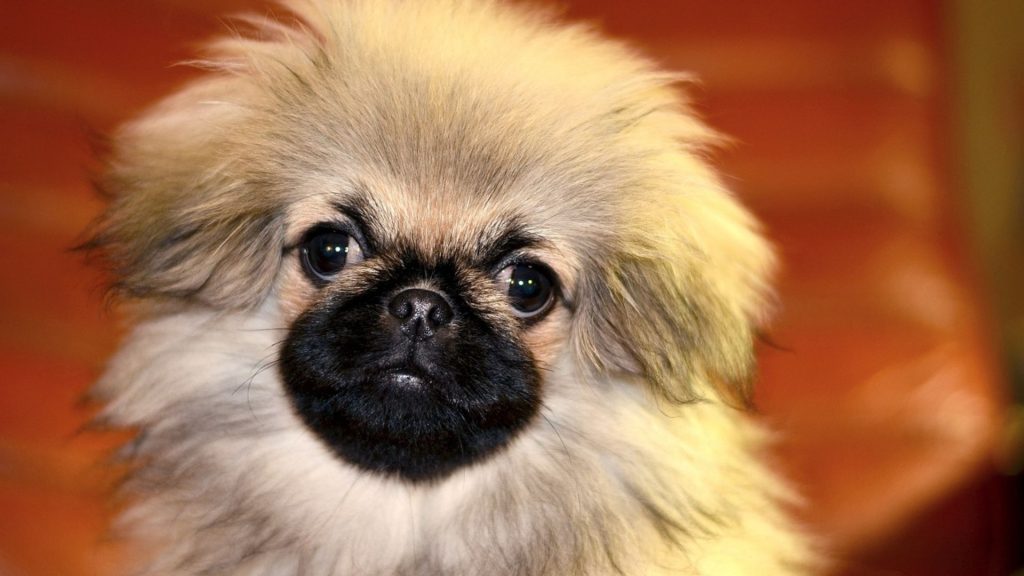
568 455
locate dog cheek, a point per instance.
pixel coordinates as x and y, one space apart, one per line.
294 294
547 339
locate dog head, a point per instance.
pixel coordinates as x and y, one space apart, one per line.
438 220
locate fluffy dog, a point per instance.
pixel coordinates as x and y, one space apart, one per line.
436 287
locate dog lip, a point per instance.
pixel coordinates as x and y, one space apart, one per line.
406 377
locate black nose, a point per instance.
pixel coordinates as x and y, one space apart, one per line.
421 312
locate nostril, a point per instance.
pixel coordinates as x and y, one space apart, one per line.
440 314
400 308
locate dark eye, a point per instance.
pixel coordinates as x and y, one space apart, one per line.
325 251
529 289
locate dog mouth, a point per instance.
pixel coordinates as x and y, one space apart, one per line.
406 379
409 367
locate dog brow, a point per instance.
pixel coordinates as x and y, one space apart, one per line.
358 207
503 239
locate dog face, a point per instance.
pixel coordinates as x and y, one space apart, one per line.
415 356
448 247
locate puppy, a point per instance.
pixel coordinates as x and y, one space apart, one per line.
435 287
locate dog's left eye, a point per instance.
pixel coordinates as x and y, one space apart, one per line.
325 251
529 288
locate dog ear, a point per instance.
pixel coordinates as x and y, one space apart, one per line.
187 219
680 296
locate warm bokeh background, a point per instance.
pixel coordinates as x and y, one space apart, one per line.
880 141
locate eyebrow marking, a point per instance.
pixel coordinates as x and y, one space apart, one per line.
360 211
513 238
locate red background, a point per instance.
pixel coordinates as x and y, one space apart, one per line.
883 384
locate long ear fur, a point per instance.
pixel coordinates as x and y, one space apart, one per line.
158 245
196 211
679 302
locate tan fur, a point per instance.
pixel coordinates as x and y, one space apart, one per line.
451 116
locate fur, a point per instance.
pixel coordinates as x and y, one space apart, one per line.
448 121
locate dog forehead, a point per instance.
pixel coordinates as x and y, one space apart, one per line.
443 220
439 221
448 165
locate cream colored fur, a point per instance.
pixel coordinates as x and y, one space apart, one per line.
453 112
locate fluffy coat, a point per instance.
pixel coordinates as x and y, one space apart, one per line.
453 111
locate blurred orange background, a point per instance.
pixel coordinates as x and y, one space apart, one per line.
880 142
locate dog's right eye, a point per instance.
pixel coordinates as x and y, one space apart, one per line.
325 251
